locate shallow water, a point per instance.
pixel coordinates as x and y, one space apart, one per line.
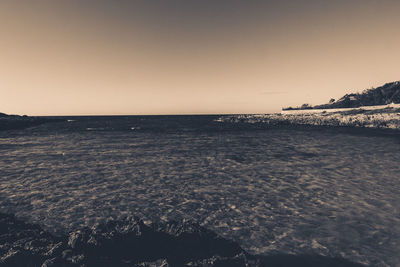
331 192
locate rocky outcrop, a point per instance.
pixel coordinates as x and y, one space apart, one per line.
388 118
130 242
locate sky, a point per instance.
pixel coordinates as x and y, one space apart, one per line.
127 57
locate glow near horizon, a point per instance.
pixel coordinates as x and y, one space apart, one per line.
191 57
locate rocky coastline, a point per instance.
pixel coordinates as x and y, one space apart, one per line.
382 95
131 242
388 118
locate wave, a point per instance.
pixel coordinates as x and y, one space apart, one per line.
131 242
95 129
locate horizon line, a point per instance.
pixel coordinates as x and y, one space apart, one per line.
166 114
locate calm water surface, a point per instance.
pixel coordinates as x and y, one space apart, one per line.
331 192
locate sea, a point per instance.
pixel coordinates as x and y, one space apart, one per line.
272 189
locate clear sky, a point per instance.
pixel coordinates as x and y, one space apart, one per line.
77 57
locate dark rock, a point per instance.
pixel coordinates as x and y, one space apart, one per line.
77 258
57 262
50 262
157 263
16 257
132 243
66 254
78 239
55 249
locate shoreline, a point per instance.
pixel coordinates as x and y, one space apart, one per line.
387 118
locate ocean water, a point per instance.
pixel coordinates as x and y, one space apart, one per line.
332 192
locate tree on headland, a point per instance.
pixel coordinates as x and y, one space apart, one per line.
386 94
306 106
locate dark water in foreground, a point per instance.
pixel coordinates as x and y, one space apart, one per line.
332 192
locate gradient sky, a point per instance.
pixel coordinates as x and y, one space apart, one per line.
81 57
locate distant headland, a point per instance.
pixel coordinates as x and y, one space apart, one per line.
387 94
12 122
373 108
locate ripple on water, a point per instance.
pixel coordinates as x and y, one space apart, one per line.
272 191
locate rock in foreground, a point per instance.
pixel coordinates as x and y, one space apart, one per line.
132 243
